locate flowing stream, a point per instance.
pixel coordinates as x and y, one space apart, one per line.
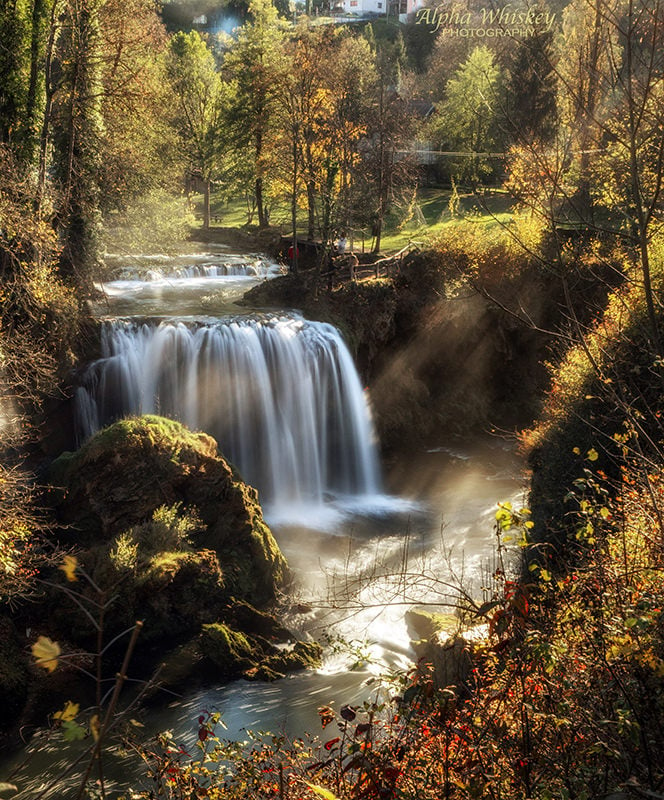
283 399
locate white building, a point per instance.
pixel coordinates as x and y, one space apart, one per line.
361 8
366 8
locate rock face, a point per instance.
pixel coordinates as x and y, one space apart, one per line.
126 472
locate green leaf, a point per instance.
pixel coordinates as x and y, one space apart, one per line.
72 731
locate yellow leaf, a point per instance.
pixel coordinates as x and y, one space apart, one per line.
136 723
576 451
46 652
604 512
593 455
326 794
68 713
94 727
68 566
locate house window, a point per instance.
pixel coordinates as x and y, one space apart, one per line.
379 5
353 3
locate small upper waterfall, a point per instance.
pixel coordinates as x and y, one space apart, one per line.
280 394
227 268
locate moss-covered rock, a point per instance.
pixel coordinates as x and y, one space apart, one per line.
236 654
121 476
303 655
169 534
259 623
229 650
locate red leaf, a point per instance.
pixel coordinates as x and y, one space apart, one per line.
329 745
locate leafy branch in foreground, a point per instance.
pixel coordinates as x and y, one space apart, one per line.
100 720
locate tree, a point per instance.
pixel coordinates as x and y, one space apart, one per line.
634 162
605 171
310 92
198 89
467 121
14 35
385 167
583 72
351 77
78 135
253 63
531 89
24 29
138 142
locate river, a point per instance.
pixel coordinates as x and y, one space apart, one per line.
280 393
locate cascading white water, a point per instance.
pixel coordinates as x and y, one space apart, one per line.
280 395
208 265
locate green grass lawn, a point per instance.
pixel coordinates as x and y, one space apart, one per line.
420 222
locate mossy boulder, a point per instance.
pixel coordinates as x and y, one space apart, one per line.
233 654
127 471
303 655
165 527
229 650
259 623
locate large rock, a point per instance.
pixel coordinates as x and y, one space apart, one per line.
234 654
127 471
442 641
163 530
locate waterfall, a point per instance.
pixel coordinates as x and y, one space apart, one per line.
258 268
280 395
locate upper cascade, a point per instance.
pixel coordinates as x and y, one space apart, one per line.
256 268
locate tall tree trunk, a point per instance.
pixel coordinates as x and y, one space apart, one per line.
311 209
377 232
642 212
294 262
587 105
258 185
12 31
32 109
78 157
382 195
311 193
206 204
44 135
